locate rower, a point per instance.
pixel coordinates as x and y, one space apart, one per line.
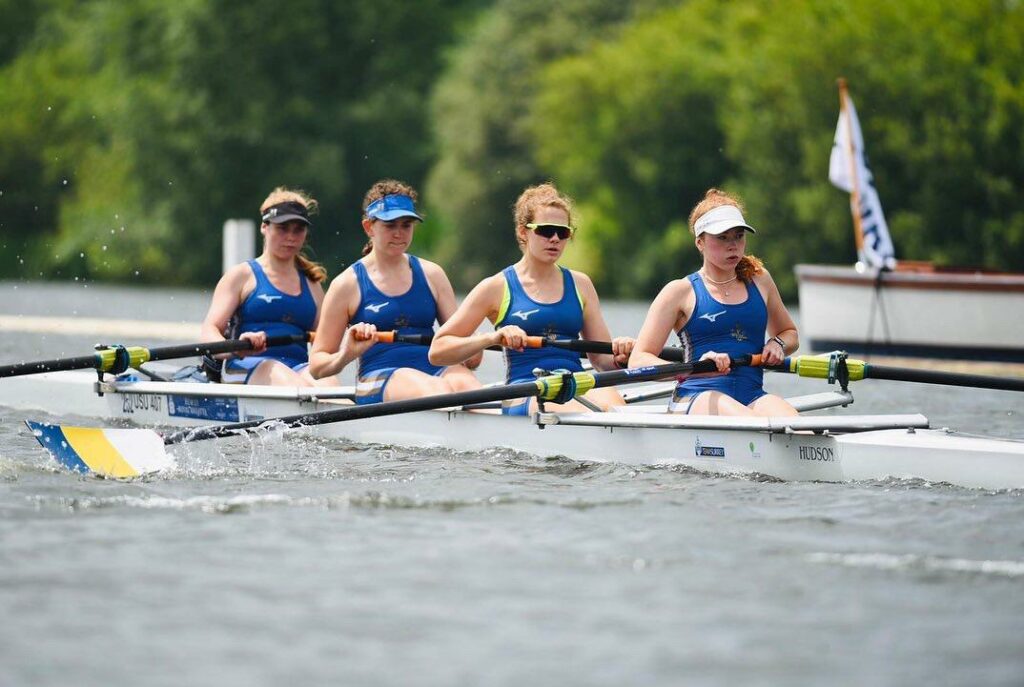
730 307
389 290
535 297
278 293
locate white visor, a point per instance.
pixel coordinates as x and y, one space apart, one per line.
721 219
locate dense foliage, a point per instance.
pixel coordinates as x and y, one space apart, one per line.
130 131
742 95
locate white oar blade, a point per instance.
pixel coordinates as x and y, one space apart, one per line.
106 452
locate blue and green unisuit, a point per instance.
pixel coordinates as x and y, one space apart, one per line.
413 312
563 319
734 329
268 309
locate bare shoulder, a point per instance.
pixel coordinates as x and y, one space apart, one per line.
492 288
677 288
345 280
582 279
764 281
238 274
432 270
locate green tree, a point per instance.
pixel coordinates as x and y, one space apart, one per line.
481 112
142 126
742 95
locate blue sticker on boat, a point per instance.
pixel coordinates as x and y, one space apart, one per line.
703 451
203 408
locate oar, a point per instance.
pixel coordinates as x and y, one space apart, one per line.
828 367
132 452
578 345
120 358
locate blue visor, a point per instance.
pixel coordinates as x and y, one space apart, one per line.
392 207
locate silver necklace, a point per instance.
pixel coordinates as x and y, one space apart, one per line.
718 283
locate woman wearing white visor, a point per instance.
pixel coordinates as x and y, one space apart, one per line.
730 307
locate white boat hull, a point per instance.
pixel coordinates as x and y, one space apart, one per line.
818 448
918 314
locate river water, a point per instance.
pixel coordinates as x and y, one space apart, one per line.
307 562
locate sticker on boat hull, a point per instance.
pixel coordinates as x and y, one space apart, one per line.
703 451
203 408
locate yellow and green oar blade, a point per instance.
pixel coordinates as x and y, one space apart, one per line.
120 358
130 452
825 367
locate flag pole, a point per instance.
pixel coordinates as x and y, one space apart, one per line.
858 231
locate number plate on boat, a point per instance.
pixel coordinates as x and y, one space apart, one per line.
203 408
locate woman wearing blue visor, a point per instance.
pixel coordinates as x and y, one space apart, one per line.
277 294
388 290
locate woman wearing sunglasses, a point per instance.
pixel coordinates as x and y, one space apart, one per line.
730 307
388 290
277 294
534 297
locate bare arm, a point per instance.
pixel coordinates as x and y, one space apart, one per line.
457 339
231 290
444 296
665 315
780 323
596 329
336 344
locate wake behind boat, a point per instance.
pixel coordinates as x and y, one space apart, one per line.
809 447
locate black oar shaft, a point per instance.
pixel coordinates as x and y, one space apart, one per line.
578 345
585 346
903 374
455 400
97 360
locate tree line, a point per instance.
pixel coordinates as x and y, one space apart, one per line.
130 131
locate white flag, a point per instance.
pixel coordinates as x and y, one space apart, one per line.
876 250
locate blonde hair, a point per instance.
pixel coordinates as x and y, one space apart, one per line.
315 272
536 197
749 265
386 187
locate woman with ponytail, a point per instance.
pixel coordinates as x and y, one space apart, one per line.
388 290
278 293
729 307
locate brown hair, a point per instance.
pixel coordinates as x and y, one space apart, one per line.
749 265
536 197
315 272
386 187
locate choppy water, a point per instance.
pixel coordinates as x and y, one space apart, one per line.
300 561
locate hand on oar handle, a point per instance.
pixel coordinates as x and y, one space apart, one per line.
511 336
258 341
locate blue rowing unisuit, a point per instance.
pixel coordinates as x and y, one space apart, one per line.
268 309
734 329
413 312
563 318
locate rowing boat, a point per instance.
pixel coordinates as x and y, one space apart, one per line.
829 447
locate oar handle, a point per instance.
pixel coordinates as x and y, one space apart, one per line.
395 337
105 359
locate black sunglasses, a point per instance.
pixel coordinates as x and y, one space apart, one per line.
548 230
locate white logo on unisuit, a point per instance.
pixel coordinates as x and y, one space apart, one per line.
376 307
524 315
266 297
711 318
